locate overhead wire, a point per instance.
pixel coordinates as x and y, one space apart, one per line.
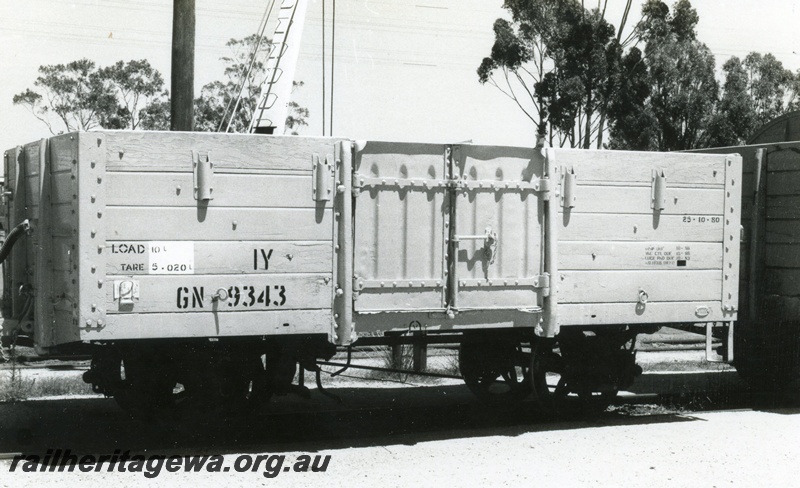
324 92
333 61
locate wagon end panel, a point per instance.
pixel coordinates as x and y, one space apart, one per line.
647 237
207 235
15 268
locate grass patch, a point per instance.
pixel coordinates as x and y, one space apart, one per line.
440 361
15 388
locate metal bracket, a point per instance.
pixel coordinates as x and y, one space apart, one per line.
322 178
538 282
360 284
658 190
712 356
362 183
203 174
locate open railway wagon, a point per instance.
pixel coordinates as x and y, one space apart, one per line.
767 338
220 262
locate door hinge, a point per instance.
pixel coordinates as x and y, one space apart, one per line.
322 178
658 190
203 176
568 183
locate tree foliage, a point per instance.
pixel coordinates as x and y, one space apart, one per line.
677 81
734 118
81 96
138 87
756 90
132 95
229 104
74 94
558 62
572 74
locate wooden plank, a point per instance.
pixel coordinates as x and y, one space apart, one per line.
191 293
783 207
64 257
783 183
747 153
783 255
636 200
609 227
632 167
782 159
64 331
32 184
211 324
497 297
63 220
62 189
784 282
164 224
64 153
249 153
225 257
783 231
625 286
176 190
651 313
780 308
613 255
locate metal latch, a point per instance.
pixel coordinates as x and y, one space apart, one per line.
322 178
489 245
658 190
203 174
7 194
126 291
568 182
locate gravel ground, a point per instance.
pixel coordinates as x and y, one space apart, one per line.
719 449
432 433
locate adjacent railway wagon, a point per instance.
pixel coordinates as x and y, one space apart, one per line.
768 330
220 262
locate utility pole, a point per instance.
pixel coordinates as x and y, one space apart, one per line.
182 86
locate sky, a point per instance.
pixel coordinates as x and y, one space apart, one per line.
405 70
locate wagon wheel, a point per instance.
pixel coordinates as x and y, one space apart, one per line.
555 382
147 386
498 373
549 385
222 382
